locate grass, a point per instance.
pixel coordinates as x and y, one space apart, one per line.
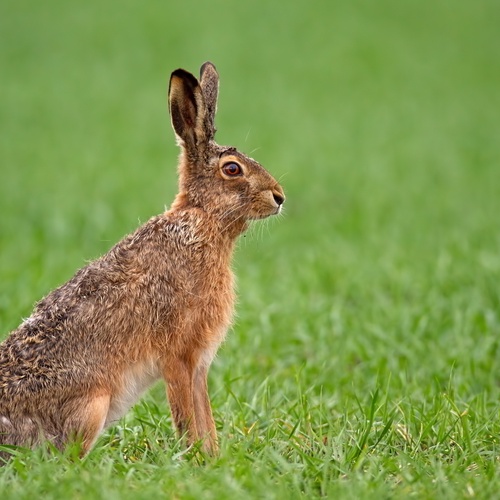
365 359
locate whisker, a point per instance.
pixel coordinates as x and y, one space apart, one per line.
231 210
233 221
282 176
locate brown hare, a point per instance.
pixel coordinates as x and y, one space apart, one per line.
157 305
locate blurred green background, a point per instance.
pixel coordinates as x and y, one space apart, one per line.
380 118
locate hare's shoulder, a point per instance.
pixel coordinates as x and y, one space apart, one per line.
170 229
192 232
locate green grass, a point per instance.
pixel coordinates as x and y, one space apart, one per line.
365 360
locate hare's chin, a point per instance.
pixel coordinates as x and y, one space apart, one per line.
274 211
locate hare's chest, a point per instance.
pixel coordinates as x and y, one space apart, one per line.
212 309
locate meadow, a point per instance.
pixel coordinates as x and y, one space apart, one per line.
365 360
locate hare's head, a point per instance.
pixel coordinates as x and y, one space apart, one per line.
218 179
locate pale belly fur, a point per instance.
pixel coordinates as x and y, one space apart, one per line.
136 380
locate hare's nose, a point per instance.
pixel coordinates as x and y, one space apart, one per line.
279 198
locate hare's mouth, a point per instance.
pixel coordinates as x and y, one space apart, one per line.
265 214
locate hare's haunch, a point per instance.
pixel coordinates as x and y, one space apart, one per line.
157 305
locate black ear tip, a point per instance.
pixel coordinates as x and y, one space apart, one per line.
185 76
180 72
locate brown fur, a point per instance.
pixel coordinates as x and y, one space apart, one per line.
157 305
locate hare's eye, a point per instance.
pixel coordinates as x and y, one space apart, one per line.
232 169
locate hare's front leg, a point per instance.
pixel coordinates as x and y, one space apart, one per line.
179 379
203 411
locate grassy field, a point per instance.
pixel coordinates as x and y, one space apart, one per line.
365 359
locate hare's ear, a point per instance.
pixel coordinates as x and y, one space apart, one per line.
209 81
187 110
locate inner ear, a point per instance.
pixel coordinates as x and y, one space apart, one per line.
187 107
